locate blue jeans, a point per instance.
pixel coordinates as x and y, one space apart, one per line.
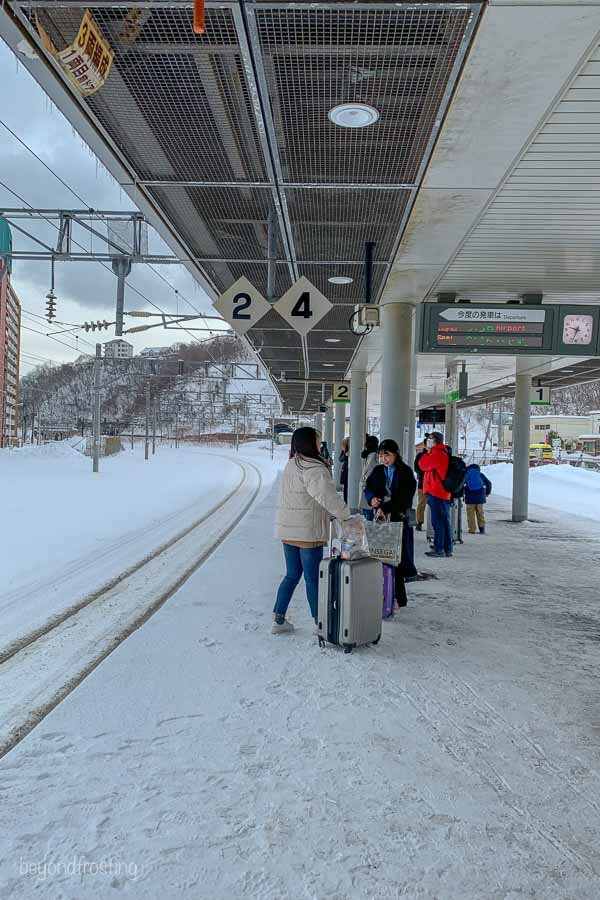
298 561
369 514
440 520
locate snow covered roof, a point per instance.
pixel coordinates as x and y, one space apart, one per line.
552 416
588 437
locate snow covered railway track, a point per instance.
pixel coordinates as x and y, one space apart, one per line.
40 669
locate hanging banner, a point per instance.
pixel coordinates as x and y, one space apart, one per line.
87 60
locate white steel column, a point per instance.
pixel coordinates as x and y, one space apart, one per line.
319 424
340 433
328 437
358 427
521 441
396 368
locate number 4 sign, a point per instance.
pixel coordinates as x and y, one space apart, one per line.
242 305
303 306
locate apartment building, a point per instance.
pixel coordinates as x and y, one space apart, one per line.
10 340
118 349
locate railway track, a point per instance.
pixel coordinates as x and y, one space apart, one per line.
41 668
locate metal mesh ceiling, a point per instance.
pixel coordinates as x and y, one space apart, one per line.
395 59
183 111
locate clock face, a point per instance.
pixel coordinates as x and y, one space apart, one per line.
577 329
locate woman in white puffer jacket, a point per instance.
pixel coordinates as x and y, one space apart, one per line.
307 502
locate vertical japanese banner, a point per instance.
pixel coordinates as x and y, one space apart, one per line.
87 60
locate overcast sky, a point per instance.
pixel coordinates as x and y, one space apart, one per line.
85 291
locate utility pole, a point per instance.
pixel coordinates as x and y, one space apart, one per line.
501 426
96 410
176 423
272 435
147 418
132 428
154 428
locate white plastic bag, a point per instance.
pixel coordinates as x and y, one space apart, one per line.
350 539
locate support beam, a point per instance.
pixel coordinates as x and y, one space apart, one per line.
521 441
358 427
397 324
340 433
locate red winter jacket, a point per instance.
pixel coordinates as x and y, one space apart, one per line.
435 466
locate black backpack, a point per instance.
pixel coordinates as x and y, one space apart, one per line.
454 481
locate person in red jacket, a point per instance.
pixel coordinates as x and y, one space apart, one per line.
434 466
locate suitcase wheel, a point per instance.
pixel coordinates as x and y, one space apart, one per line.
321 642
377 639
347 648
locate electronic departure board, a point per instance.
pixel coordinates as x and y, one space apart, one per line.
482 328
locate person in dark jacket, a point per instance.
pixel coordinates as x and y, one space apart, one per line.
421 498
344 459
477 489
391 488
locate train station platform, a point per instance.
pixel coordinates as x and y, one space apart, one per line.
206 758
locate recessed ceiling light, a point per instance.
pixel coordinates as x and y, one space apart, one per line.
329 365
340 279
332 340
353 115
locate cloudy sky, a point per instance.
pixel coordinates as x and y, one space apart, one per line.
85 291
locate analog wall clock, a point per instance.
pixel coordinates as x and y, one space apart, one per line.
577 329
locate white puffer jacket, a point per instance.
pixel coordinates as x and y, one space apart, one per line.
307 501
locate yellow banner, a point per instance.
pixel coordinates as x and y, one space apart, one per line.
87 60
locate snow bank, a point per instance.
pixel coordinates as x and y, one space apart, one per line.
559 487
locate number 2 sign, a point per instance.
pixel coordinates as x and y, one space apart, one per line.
341 393
242 305
303 306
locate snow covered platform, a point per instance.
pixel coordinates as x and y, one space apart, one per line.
206 758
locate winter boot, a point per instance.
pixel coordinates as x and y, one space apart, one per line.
434 553
281 625
482 529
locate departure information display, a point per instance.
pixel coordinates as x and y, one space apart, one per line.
470 328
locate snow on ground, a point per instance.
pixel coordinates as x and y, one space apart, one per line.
558 487
208 759
65 531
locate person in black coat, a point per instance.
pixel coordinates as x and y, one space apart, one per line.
344 459
391 488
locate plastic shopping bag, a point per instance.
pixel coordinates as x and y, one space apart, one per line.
350 539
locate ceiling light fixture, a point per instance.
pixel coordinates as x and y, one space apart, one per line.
340 279
353 115
329 365
332 340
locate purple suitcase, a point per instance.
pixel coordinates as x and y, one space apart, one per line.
389 589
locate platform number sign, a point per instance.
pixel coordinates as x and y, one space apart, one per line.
539 396
303 306
341 393
242 305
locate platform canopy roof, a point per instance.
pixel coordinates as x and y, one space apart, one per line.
211 134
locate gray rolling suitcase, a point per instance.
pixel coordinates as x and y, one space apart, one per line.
350 602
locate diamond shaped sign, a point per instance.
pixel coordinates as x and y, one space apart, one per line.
303 306
242 305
